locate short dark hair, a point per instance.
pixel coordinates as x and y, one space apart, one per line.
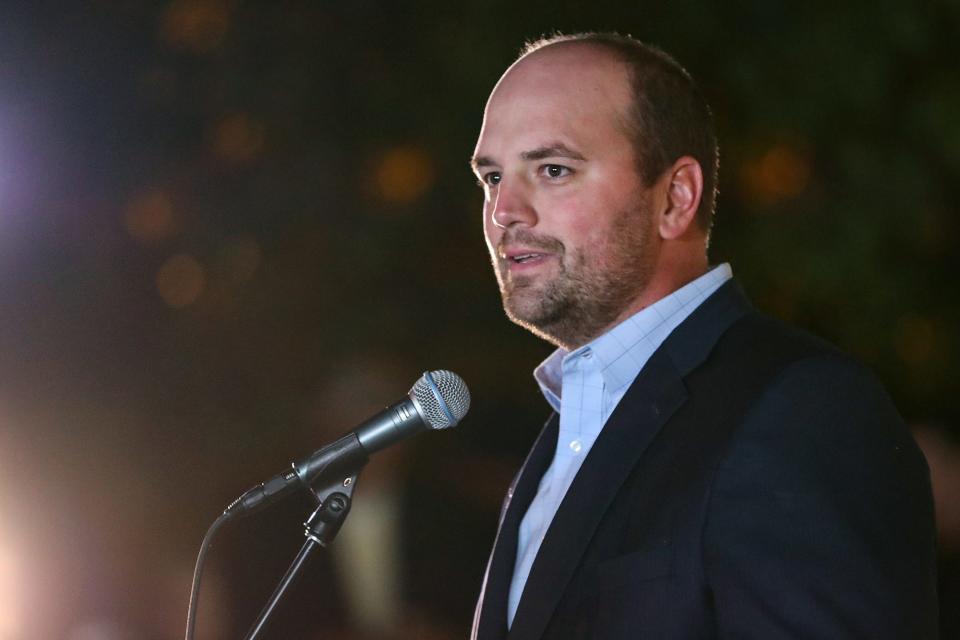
669 117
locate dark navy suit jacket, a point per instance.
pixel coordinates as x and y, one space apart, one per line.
752 483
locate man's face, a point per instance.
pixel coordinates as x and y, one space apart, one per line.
567 219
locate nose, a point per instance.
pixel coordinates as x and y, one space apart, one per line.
511 205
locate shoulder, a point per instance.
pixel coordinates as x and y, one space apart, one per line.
822 463
802 374
794 416
792 369
810 398
755 332
822 493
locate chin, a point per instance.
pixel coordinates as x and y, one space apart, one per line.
525 306
549 324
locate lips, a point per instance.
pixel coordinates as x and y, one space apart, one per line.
523 258
520 259
522 252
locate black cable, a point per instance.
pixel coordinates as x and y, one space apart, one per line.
198 572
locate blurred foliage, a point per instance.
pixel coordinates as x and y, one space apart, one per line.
212 210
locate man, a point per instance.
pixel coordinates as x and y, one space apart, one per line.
708 472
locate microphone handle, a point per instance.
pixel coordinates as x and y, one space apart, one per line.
391 425
344 456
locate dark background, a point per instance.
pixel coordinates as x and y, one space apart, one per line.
231 230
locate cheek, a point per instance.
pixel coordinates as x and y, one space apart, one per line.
585 223
491 233
595 230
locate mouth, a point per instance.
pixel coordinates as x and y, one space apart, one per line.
523 262
525 258
520 255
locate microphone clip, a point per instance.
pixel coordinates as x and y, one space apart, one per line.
334 499
334 495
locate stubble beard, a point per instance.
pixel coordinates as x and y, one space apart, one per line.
589 293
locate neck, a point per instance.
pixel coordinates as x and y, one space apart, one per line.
677 265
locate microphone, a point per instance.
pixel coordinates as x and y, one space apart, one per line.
439 399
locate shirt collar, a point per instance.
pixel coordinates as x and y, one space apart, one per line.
618 361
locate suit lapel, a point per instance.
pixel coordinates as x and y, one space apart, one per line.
623 440
652 399
490 619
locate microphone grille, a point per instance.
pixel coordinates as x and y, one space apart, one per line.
443 397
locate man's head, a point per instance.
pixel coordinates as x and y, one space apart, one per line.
594 185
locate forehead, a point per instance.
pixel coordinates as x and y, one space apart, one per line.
572 92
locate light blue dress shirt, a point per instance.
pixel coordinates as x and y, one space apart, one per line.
584 386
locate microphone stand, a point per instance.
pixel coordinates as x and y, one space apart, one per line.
334 498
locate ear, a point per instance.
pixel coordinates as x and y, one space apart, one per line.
684 188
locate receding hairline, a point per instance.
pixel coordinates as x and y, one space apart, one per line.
613 58
599 48
594 45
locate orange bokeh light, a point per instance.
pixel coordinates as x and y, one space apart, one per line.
150 217
195 25
181 280
402 175
237 139
780 173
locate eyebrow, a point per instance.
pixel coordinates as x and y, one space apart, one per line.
552 150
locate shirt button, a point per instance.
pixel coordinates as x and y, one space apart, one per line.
576 445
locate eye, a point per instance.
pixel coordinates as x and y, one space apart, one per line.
555 171
492 178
